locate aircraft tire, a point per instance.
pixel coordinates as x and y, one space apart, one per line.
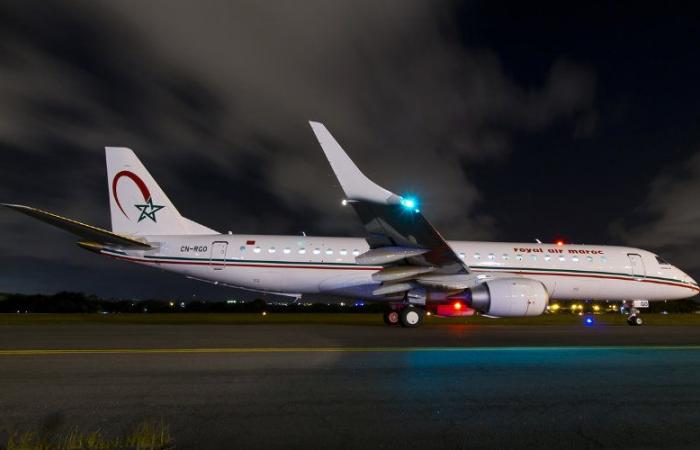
635 321
411 317
391 318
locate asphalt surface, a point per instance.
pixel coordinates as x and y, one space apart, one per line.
319 386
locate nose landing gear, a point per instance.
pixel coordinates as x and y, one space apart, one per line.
634 320
634 317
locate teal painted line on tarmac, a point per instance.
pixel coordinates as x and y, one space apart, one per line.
254 350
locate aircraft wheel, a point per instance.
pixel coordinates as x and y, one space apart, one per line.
391 318
411 317
635 321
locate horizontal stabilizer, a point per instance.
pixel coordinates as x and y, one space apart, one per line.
85 232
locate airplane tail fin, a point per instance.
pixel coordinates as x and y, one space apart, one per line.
138 206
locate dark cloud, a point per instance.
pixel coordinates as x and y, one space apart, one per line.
668 219
214 97
390 79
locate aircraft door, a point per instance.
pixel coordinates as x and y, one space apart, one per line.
218 255
637 269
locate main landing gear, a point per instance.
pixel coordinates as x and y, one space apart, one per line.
634 318
407 316
391 317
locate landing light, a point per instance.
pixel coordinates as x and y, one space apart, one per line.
588 321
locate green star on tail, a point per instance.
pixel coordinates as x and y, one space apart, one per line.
149 210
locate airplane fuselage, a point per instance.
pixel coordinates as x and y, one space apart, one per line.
326 265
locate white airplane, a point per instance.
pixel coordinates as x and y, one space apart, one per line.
403 260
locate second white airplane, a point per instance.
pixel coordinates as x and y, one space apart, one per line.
403 260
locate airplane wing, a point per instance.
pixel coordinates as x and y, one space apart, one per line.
86 232
398 233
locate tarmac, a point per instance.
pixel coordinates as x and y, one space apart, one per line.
333 386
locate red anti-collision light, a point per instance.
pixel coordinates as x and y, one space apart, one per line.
560 243
458 306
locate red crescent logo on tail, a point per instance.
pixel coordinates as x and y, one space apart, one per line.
139 183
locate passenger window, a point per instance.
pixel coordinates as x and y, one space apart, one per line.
302 251
355 252
533 258
603 259
343 252
461 255
574 258
505 257
562 258
242 248
547 257
256 250
286 250
316 251
589 258
271 250
329 251
519 257
492 256
477 256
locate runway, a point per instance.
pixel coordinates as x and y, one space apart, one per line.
301 386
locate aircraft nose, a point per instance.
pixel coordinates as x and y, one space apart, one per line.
687 278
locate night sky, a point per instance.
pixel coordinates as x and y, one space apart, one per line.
509 121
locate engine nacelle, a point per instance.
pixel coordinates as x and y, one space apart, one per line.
509 297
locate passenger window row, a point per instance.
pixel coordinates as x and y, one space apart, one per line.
462 255
301 251
532 257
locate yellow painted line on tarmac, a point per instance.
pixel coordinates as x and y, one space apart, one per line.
248 350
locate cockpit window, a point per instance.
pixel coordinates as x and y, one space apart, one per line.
662 261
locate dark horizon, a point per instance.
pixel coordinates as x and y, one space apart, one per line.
509 121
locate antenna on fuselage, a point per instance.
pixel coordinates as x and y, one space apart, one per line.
538 241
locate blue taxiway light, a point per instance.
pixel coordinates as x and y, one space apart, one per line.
588 321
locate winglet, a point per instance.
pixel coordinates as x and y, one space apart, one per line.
354 183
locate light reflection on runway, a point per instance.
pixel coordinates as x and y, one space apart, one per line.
359 387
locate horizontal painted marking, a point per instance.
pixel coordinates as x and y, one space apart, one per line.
597 272
206 262
581 274
252 261
239 350
342 266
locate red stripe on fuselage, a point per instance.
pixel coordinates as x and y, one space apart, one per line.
375 268
209 263
607 277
